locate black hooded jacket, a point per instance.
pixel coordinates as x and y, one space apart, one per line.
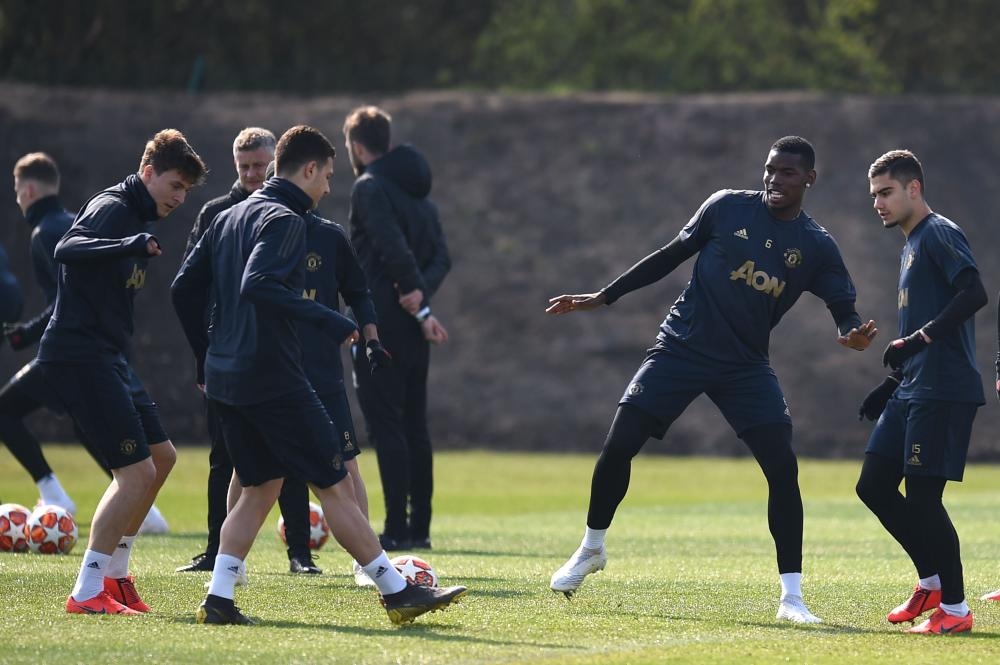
49 222
395 230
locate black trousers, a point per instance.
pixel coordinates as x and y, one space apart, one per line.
394 403
293 500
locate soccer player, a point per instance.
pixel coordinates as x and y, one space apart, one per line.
253 150
36 186
332 272
758 251
252 263
925 408
83 361
396 232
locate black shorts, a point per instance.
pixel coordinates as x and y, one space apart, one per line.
926 437
668 381
289 436
339 410
109 406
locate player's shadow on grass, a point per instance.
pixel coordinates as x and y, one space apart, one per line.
828 628
425 629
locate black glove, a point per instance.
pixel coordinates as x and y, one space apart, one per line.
875 401
14 333
899 350
378 356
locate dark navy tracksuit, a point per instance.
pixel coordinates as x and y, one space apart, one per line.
250 265
86 343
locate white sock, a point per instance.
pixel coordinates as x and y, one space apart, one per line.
90 581
932 583
956 610
791 584
50 490
118 567
224 574
593 539
384 575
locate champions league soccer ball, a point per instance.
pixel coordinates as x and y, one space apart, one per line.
319 532
415 570
51 530
13 517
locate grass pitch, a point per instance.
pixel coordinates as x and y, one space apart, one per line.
691 575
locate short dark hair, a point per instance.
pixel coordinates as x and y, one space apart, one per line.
796 145
901 165
168 149
252 138
300 145
37 166
371 127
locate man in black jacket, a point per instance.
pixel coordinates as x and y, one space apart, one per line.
252 262
396 233
253 150
84 359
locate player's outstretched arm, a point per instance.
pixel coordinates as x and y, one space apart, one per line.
859 338
583 302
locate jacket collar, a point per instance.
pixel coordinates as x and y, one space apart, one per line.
288 193
40 208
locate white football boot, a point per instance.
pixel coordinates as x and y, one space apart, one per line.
154 522
793 608
583 562
360 576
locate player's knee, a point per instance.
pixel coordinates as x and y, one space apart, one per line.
139 476
164 457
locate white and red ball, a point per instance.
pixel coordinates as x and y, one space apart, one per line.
13 518
51 530
319 531
415 570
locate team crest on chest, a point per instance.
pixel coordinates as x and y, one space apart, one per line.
909 260
793 257
313 261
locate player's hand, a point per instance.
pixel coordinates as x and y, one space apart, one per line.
153 247
434 332
583 302
875 401
411 301
859 338
900 350
14 334
378 356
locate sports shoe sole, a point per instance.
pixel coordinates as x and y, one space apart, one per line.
405 615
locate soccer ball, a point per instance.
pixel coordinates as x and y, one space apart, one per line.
319 531
50 530
415 570
13 517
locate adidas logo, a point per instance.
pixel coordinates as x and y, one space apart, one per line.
914 461
123 546
94 565
382 570
235 570
742 233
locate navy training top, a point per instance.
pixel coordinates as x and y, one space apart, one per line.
751 269
103 261
251 265
936 251
332 270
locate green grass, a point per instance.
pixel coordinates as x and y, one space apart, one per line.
691 576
